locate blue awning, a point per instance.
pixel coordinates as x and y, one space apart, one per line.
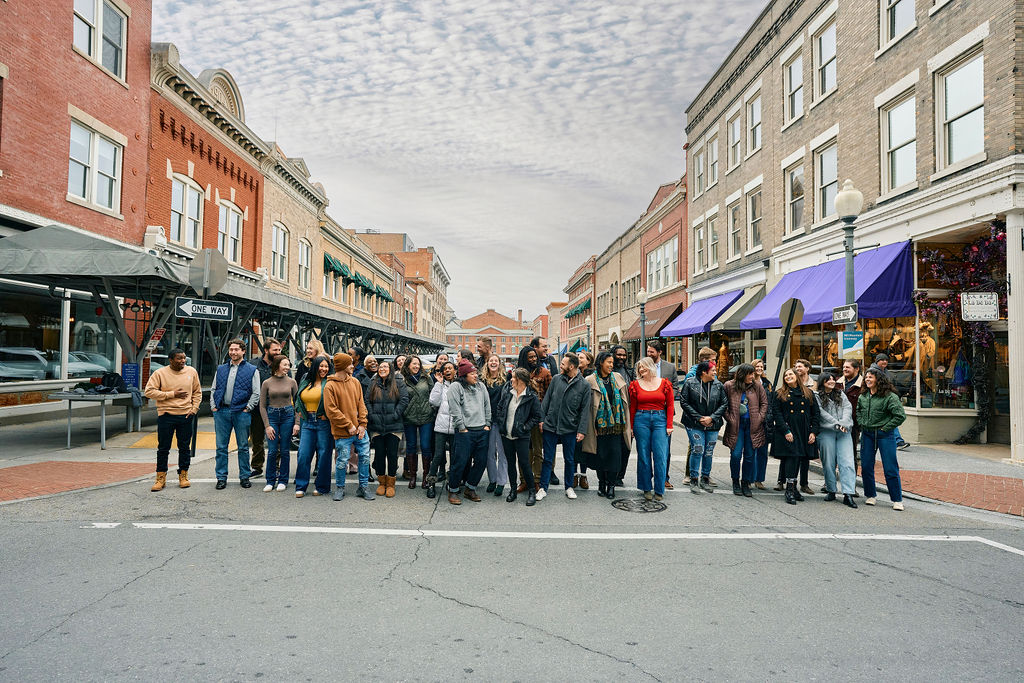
699 315
883 287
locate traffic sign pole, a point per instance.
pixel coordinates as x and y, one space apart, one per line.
199 362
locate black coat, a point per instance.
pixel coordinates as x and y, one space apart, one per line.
527 416
696 401
384 415
798 416
494 394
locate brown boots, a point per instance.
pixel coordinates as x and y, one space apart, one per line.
161 481
183 481
382 485
386 486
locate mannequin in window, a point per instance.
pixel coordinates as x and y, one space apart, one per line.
723 362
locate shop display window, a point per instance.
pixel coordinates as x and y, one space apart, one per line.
730 347
29 335
946 364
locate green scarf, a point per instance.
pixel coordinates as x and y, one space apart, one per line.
611 412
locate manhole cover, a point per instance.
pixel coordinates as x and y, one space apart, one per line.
639 505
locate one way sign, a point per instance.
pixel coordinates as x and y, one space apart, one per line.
197 309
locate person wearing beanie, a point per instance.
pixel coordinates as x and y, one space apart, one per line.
470 408
346 410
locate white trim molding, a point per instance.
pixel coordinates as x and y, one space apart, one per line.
897 88
958 48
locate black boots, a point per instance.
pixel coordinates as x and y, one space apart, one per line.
849 502
736 491
796 494
791 493
830 496
745 489
531 496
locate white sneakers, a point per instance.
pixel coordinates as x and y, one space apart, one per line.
869 501
898 506
281 487
268 488
570 494
300 494
540 494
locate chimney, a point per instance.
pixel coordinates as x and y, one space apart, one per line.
520 316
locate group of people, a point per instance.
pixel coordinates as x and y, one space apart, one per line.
467 415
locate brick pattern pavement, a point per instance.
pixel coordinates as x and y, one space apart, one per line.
982 491
43 478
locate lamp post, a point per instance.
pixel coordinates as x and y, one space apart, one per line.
589 347
641 298
848 205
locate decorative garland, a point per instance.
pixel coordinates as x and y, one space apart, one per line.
981 267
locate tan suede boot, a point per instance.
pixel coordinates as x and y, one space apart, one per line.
183 481
389 491
161 481
382 485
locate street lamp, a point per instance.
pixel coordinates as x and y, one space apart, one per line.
641 298
588 334
848 205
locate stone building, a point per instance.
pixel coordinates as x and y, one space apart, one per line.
918 103
616 273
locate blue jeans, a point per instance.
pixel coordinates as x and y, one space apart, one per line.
497 466
551 441
742 454
702 446
469 458
424 435
315 437
885 442
224 422
837 449
343 447
282 420
651 450
761 461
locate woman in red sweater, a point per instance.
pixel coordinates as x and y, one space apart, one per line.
651 414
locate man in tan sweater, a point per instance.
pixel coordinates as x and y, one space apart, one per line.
346 410
178 395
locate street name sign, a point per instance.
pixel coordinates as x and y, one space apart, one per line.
198 309
844 315
979 306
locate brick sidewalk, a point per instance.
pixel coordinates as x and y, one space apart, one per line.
982 491
43 478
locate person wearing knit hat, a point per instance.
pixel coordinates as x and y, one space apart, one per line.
470 407
346 410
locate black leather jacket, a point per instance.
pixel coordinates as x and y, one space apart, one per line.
699 399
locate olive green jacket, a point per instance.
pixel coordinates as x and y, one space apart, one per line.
883 413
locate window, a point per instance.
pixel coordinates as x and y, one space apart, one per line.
961 101
825 60
334 287
713 161
713 242
698 248
735 226
327 284
899 142
794 199
279 252
754 124
754 220
698 171
186 213
826 177
735 141
897 18
99 33
229 232
662 266
94 168
305 257
794 76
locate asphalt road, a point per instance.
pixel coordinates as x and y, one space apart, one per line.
715 587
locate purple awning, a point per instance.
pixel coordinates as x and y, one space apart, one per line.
700 314
883 285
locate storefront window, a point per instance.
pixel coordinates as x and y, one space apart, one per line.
29 335
730 347
92 345
946 364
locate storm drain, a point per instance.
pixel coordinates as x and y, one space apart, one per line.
639 505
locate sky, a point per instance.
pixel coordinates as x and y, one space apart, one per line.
516 137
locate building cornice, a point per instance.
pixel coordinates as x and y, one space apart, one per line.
740 278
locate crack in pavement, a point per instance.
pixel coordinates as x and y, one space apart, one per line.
68 617
423 540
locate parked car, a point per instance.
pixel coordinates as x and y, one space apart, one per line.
159 360
94 358
22 364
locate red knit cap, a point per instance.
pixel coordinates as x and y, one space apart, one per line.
465 367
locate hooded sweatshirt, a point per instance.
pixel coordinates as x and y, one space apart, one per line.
343 404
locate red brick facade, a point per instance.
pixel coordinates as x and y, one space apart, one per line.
45 82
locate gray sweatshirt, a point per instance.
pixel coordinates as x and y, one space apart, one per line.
833 415
470 406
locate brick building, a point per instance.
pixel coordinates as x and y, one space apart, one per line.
918 103
616 276
508 335
577 317
554 311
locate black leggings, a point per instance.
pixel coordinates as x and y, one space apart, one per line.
518 449
803 468
443 443
385 450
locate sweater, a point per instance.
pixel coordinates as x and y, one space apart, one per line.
277 392
833 415
662 398
470 406
343 404
164 382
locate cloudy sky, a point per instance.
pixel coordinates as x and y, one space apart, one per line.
515 136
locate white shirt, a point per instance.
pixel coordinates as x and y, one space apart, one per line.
513 405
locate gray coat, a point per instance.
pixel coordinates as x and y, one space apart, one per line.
832 415
668 371
566 405
470 406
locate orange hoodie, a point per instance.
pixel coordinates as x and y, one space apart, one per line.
343 404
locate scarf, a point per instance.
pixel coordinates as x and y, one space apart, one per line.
610 411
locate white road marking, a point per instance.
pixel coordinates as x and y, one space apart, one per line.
102 525
582 536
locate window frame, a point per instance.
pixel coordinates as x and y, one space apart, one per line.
734 147
231 208
942 123
886 36
712 241
789 113
712 148
887 150
305 261
820 91
821 202
94 51
754 218
789 200
735 225
698 248
92 171
188 185
699 176
755 126
279 260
